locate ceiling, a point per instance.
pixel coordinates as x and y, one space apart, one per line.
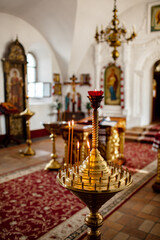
59 21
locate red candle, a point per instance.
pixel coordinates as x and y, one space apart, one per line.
95 93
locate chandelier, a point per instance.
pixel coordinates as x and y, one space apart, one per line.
113 34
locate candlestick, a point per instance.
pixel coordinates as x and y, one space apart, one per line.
69 133
96 188
78 153
72 141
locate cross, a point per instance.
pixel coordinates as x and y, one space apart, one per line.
73 84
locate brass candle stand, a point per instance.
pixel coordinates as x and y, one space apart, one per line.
27 114
53 129
94 181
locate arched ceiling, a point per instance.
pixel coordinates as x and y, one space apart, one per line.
62 23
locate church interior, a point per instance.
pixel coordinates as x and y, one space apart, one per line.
80 119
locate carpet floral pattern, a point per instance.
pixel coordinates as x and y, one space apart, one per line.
33 204
138 155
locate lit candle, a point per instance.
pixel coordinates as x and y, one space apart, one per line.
88 146
69 133
72 140
95 93
78 153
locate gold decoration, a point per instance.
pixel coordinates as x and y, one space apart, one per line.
27 114
53 128
113 34
94 181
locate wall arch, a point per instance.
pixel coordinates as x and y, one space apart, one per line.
144 71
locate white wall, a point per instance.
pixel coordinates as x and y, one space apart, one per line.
136 60
33 41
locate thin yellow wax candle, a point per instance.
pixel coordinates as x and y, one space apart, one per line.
72 140
78 153
88 145
69 134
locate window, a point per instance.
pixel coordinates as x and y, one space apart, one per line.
36 89
31 68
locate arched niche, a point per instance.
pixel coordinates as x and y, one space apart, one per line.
142 82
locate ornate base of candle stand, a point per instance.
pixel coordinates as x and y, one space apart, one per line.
53 128
27 114
94 181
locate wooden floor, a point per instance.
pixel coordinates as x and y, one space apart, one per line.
138 218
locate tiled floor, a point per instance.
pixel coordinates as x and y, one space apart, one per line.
138 218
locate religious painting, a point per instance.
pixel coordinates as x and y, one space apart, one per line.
14 66
58 89
67 102
112 77
85 79
79 102
14 88
56 77
154 16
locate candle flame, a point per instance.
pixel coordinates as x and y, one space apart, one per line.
88 144
72 123
69 124
95 89
78 145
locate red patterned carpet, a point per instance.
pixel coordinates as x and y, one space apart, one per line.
138 155
33 204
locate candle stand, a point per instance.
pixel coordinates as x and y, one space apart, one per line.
94 180
27 114
156 148
53 129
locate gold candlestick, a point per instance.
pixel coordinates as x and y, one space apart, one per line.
156 147
53 129
102 182
27 114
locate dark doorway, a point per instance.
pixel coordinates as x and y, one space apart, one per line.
156 93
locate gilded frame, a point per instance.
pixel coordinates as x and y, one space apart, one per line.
154 17
58 89
14 68
112 79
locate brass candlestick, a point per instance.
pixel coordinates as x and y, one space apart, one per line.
156 147
94 181
53 128
27 114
